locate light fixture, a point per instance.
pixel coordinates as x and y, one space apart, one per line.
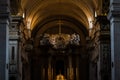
60 40
23 15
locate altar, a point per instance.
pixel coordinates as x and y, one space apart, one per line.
60 77
59 57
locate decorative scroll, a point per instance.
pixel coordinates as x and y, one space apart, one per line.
105 27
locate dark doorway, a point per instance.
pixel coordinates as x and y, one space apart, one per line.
12 78
59 67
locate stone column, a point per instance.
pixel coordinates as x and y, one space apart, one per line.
4 26
70 68
77 68
49 69
43 73
114 17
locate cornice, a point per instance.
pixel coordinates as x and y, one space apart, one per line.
114 11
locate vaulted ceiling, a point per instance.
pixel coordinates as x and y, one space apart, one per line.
37 11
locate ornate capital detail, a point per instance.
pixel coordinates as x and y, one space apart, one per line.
105 7
102 20
4 10
29 45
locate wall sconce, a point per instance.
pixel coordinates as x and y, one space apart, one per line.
23 15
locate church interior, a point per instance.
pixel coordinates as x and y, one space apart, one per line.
59 40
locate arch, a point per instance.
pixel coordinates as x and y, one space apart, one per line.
57 17
59 66
37 11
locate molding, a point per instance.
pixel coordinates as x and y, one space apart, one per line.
114 11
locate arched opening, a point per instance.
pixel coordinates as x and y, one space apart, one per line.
58 52
12 78
60 67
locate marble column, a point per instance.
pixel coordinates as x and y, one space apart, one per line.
114 17
4 38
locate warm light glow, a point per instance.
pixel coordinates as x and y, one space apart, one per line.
90 23
95 14
60 77
23 15
28 23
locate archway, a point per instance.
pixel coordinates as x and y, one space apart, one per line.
60 67
59 52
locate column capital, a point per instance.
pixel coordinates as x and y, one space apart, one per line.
114 1
5 16
4 10
102 19
114 10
